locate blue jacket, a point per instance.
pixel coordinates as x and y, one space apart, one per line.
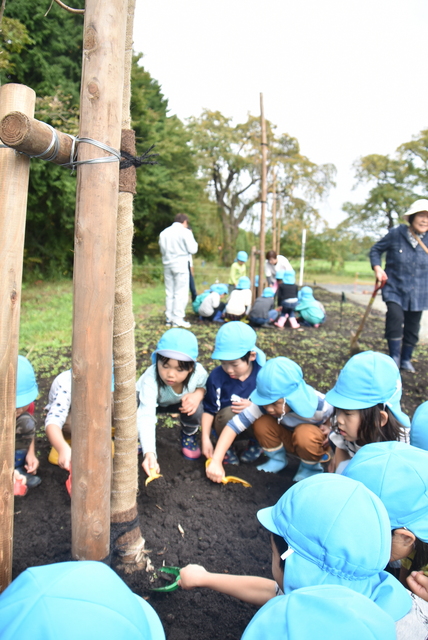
220 387
406 268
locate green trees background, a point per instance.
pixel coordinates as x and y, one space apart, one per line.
209 167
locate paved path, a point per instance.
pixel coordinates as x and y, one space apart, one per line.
360 294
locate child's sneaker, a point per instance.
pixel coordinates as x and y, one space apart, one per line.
189 446
231 457
252 452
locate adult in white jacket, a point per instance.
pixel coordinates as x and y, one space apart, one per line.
177 244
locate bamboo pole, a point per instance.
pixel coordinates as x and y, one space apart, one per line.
14 174
274 212
253 273
264 197
35 138
94 272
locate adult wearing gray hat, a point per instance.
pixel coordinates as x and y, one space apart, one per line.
405 281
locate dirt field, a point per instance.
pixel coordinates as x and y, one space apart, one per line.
219 522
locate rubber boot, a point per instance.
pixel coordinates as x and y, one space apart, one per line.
394 347
406 355
293 323
306 470
277 461
281 321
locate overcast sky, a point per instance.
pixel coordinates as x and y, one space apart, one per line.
345 77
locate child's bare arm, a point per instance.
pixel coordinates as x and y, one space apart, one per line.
190 401
31 460
251 589
215 471
206 426
57 440
340 455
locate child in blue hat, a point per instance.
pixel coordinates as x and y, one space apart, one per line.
263 310
326 530
398 474
230 385
366 397
324 612
211 307
238 269
287 415
71 600
419 427
239 303
174 383
311 311
26 462
287 299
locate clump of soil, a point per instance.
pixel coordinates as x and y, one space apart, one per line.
184 517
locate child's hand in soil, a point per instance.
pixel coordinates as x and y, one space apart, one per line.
64 457
190 402
237 407
417 582
31 463
215 471
192 575
150 462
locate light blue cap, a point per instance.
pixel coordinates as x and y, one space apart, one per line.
279 275
305 293
283 378
70 600
340 534
268 293
178 344
289 276
219 288
368 379
419 427
244 283
242 256
26 385
234 340
324 612
398 474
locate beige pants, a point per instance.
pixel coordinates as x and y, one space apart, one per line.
304 441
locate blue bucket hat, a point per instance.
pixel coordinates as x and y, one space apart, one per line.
234 340
268 293
244 283
219 288
419 427
84 600
368 379
289 276
398 474
26 385
324 612
283 378
242 256
178 344
338 533
305 293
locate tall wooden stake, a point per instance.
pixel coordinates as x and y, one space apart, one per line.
279 228
14 173
264 197
94 273
253 272
274 212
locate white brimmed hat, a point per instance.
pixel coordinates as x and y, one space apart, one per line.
417 207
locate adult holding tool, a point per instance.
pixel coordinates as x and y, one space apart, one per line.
405 279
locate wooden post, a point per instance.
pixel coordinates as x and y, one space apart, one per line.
14 173
274 212
94 273
279 230
253 273
302 257
264 197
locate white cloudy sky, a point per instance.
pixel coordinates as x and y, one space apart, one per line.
346 77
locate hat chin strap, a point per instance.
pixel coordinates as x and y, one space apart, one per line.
284 400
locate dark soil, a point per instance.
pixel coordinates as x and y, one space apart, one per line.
220 527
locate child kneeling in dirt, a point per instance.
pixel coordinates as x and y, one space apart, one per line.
211 307
174 383
229 386
311 311
26 462
263 310
239 303
287 415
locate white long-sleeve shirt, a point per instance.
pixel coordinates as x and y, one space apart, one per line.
177 244
282 264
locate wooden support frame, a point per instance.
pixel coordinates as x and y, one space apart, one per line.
262 276
14 175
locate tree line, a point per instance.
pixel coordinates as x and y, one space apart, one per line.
209 167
